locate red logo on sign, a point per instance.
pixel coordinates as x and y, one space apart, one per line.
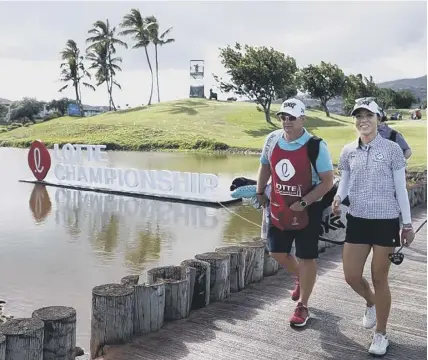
39 159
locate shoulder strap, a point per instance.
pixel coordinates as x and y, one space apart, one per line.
314 150
313 147
271 142
393 135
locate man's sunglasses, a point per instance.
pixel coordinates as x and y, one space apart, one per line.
284 117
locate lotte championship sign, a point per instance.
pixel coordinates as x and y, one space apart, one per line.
85 167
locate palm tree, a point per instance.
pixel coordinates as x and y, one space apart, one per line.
73 70
137 27
105 68
101 52
153 27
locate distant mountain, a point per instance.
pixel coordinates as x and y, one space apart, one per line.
418 86
5 101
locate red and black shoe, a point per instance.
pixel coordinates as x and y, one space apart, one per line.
295 295
300 316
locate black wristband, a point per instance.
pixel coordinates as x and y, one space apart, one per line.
262 193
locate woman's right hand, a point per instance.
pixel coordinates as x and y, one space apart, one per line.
335 206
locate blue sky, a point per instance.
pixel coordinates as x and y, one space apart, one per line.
385 39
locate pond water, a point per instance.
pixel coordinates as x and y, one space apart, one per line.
57 244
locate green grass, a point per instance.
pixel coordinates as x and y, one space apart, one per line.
198 124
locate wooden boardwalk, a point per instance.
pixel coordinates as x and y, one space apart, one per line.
253 324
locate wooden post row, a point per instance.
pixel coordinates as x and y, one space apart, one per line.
49 334
121 311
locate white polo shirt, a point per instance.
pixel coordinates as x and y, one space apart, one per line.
371 182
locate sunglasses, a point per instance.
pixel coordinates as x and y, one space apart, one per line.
284 117
397 257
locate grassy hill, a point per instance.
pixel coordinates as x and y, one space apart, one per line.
197 124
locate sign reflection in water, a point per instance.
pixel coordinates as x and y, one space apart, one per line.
132 210
40 203
139 228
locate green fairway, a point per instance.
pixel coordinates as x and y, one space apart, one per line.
197 124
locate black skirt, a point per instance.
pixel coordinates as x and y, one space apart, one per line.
381 232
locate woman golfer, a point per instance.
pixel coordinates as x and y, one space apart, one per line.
373 175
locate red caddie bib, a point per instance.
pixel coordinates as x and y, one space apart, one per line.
291 174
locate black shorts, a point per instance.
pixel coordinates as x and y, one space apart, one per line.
281 241
381 232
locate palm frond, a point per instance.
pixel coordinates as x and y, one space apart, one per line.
128 32
119 42
63 88
88 86
165 33
95 39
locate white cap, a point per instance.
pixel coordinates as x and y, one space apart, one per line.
293 107
368 104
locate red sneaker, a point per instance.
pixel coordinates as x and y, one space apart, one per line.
295 295
300 316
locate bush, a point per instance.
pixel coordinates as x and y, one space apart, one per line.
52 116
14 125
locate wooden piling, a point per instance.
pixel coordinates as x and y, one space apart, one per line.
201 289
112 316
254 261
270 265
24 338
149 308
219 274
59 332
149 304
2 347
177 289
130 280
237 266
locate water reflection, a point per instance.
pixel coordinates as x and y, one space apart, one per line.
105 240
146 247
64 242
40 203
142 224
237 229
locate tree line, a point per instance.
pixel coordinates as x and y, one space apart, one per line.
264 75
100 58
101 51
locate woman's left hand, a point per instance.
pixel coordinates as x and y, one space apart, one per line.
407 236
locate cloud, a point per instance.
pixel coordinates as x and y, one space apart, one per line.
385 39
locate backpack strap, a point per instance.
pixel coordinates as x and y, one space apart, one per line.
393 135
314 150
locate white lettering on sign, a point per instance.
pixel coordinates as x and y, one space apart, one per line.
71 168
38 160
72 153
289 190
